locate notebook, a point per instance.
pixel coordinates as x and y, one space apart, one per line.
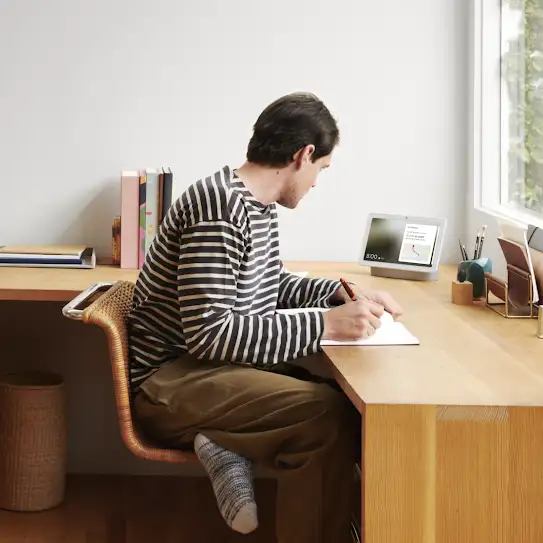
59 252
300 274
391 332
87 260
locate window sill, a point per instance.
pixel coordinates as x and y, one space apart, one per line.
522 218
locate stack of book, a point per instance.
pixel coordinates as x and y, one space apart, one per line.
47 256
146 196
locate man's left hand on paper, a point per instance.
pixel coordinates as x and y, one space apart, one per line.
380 297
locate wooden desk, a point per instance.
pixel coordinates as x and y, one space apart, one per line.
453 428
55 285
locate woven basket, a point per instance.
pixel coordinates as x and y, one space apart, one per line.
33 441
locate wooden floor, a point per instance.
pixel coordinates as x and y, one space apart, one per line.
137 509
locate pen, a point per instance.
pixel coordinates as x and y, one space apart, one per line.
463 252
476 249
348 290
481 242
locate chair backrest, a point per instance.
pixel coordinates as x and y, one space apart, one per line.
110 312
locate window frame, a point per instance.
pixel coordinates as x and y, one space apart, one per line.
488 161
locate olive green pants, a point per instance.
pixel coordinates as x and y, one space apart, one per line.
287 420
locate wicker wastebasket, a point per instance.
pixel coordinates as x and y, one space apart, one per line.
33 441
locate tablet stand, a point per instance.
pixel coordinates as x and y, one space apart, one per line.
409 275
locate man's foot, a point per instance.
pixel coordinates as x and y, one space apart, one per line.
231 477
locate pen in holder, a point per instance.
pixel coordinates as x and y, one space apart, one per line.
474 271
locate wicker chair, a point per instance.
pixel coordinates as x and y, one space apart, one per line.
109 306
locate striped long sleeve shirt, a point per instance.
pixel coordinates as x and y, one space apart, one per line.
212 282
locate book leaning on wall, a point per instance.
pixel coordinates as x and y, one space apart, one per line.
146 196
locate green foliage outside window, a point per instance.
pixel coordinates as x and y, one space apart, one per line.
522 70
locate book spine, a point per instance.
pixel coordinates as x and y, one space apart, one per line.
142 222
28 259
167 192
130 194
116 242
118 231
151 209
160 195
113 244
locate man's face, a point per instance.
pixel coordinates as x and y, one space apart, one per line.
303 176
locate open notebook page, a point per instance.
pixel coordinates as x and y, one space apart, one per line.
391 332
299 273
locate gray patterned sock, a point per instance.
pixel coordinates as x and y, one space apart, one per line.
231 477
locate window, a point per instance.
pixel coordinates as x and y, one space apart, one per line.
508 108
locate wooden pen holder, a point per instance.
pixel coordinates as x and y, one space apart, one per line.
462 293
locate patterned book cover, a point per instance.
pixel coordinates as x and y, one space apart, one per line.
151 207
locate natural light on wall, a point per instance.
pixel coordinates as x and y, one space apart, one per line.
508 108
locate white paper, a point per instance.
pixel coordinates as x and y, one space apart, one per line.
391 332
299 274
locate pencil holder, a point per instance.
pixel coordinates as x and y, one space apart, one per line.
474 272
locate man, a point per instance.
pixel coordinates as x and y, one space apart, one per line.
211 359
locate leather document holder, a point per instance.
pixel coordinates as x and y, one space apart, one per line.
516 293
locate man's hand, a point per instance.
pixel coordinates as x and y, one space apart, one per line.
382 298
379 297
352 320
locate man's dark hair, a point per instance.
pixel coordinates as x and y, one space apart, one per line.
289 124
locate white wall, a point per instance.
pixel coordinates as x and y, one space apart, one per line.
475 219
90 88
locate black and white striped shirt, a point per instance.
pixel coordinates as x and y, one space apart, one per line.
212 282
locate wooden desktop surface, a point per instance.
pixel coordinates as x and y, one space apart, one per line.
467 356
55 284
452 434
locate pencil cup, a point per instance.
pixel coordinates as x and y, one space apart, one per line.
474 272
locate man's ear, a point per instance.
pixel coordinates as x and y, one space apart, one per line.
304 155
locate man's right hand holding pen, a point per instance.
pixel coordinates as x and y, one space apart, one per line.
359 317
